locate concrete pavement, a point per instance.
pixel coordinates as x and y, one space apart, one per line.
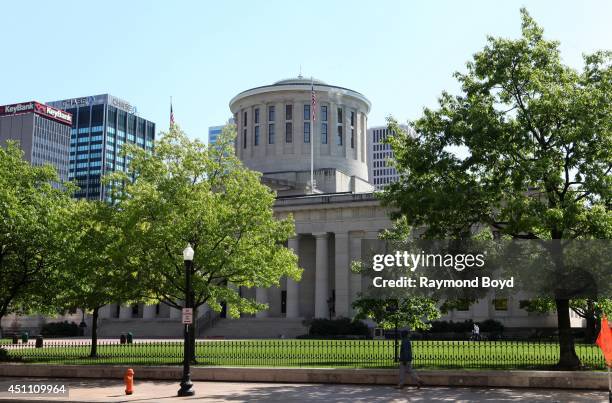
103 390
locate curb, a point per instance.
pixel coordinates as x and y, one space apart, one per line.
509 379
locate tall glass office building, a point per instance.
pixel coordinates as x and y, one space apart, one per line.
101 124
213 133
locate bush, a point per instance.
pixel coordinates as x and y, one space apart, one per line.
337 327
491 326
442 326
62 329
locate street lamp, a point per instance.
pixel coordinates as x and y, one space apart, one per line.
186 384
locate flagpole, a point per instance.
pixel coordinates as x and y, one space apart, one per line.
312 126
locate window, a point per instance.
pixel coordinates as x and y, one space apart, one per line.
288 112
244 121
306 112
271 113
289 132
83 119
324 113
271 133
306 132
352 129
500 304
256 137
339 136
97 115
244 138
339 115
324 133
256 115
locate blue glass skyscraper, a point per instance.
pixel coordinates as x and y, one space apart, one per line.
101 124
213 133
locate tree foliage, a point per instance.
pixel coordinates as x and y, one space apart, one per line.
97 271
538 142
414 313
187 193
33 232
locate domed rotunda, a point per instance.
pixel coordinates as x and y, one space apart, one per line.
276 125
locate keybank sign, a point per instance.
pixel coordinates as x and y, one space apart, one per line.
17 108
37 108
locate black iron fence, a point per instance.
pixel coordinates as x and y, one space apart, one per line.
305 353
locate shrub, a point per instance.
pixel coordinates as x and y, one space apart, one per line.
4 355
491 326
337 327
63 329
443 326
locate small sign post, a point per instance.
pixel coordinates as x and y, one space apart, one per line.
187 316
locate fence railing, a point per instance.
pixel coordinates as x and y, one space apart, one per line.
307 353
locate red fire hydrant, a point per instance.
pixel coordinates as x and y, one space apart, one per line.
128 378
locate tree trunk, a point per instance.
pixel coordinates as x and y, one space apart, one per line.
591 323
1 331
590 333
568 359
94 333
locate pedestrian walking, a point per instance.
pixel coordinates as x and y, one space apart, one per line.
476 332
405 359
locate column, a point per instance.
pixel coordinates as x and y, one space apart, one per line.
148 312
292 304
261 296
342 274
104 312
321 276
355 278
125 312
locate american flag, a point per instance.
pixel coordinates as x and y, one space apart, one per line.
171 116
313 101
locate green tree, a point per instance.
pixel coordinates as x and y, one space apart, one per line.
96 271
591 310
538 142
187 193
414 313
33 232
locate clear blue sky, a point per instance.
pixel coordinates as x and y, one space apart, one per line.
400 54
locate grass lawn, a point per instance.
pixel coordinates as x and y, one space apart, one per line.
318 353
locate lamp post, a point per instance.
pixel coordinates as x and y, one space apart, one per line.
186 384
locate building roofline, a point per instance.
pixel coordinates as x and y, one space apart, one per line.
296 86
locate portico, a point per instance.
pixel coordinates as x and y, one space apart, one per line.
329 233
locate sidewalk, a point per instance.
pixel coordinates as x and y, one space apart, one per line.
102 390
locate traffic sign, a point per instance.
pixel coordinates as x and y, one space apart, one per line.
187 316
